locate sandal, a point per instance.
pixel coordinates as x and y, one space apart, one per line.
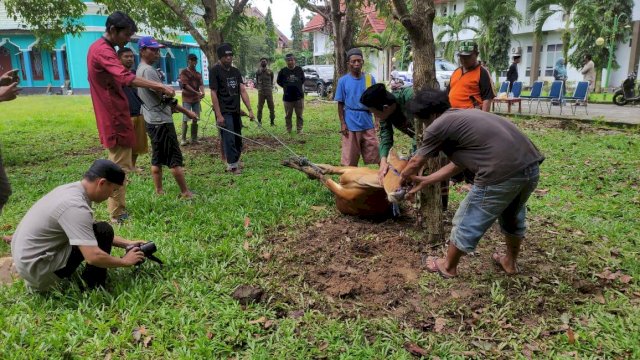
432 266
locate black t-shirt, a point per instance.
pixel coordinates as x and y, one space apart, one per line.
134 101
488 145
226 83
291 81
512 74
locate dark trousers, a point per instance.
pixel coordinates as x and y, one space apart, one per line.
268 97
92 275
289 108
232 144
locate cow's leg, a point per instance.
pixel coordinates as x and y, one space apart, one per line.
336 170
364 179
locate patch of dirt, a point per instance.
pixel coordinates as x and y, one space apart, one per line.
211 145
349 267
540 125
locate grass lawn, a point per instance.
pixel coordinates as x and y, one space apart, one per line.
573 299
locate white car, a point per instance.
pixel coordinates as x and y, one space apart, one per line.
444 70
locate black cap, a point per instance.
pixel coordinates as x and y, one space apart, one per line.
376 96
352 52
107 169
289 56
224 49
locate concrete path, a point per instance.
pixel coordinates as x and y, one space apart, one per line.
608 113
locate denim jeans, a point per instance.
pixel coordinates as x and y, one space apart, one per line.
232 143
505 201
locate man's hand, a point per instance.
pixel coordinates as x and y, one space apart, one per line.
133 257
8 93
220 120
420 183
9 78
168 90
251 116
384 168
411 169
192 115
343 130
200 95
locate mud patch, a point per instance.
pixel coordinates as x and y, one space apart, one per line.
351 268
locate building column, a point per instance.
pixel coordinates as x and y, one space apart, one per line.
535 59
26 56
60 65
635 47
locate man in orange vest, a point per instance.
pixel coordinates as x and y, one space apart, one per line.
470 86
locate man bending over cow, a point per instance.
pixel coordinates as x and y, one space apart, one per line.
505 162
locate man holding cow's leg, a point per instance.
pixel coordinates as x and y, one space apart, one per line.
505 162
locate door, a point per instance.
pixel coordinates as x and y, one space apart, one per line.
5 60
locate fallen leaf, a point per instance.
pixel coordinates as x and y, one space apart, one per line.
415 349
175 284
318 208
247 222
107 356
600 298
245 246
578 232
439 325
571 336
147 341
323 346
209 335
249 234
260 320
625 279
268 324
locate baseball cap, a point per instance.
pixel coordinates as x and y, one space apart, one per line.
467 47
149 42
107 169
224 49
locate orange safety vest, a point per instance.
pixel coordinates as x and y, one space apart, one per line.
463 87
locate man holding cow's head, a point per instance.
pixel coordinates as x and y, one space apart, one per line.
504 160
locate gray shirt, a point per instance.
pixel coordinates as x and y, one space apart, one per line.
43 239
489 145
154 110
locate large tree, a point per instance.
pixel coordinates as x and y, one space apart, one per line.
205 20
271 39
544 9
596 20
296 31
450 28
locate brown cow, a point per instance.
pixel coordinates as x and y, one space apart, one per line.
359 191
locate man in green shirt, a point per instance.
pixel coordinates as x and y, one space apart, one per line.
389 110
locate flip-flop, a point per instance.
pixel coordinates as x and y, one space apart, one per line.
432 260
496 259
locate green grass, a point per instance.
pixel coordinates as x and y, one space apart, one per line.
186 307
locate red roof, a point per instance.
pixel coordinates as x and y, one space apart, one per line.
371 17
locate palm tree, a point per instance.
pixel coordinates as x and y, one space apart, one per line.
452 26
546 8
490 13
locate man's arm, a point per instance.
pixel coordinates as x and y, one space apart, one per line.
445 173
179 108
95 256
245 100
123 243
216 108
280 79
156 86
8 93
587 67
343 125
486 89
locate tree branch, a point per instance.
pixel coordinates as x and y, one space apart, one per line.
238 7
320 10
362 45
184 18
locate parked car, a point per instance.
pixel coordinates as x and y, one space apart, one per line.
444 70
318 78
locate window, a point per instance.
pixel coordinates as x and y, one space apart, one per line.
54 66
443 9
529 60
554 52
455 9
37 71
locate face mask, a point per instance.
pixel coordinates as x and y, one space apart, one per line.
264 65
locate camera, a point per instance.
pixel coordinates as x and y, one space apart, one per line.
148 249
170 101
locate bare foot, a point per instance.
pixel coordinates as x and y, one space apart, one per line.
7 238
159 192
437 265
186 195
506 266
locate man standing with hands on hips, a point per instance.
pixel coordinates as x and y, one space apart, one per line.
227 87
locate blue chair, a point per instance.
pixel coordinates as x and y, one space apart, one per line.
536 92
504 88
555 95
580 97
516 89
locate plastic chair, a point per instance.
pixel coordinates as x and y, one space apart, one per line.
580 97
516 89
555 95
504 88
536 92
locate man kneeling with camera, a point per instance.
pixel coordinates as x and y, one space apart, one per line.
59 232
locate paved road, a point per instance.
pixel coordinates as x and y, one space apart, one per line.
629 115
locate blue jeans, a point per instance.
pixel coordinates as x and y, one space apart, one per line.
232 143
505 201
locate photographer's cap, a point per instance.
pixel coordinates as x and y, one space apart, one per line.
149 42
225 49
107 169
467 48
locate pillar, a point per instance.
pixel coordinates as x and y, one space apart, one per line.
60 61
634 55
26 55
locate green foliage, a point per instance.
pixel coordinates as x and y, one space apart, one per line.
49 20
270 34
543 9
297 36
494 29
450 28
593 20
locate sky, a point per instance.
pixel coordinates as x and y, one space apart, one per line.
282 12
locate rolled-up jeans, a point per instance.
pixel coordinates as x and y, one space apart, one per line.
505 202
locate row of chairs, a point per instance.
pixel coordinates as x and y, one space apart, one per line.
555 96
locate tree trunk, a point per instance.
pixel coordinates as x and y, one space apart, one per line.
342 26
419 25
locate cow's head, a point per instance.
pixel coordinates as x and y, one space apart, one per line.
391 181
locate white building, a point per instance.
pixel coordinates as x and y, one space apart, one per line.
550 47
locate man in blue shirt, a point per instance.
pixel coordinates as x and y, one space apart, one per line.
358 132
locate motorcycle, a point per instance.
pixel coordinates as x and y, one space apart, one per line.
627 94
